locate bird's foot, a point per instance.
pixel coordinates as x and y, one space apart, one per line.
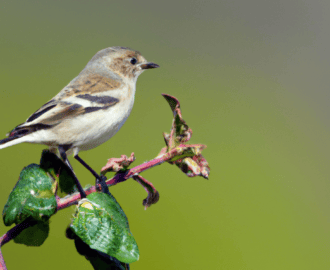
101 185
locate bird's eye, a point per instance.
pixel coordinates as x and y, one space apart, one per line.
133 61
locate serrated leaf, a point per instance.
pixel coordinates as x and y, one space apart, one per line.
34 235
101 223
32 196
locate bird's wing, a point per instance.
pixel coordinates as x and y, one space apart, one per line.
47 116
74 100
54 112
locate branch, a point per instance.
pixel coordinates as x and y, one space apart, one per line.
65 202
11 234
120 177
153 194
2 262
187 157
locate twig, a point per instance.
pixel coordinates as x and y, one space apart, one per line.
73 199
11 234
120 177
153 194
2 262
187 157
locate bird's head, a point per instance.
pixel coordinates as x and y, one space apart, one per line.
122 61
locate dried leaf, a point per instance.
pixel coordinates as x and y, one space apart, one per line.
118 164
179 127
195 166
153 194
187 150
187 157
204 166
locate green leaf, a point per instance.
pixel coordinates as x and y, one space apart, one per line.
52 164
33 195
34 235
98 259
104 262
101 223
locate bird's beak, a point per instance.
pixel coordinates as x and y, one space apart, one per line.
149 65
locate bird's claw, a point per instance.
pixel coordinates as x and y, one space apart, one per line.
101 185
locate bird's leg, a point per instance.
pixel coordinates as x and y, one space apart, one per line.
100 179
87 166
100 182
66 161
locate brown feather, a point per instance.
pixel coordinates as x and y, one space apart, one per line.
90 85
68 111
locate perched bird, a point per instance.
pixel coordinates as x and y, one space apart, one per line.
90 109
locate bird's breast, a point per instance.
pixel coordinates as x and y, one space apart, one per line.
100 126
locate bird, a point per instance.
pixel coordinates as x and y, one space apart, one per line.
89 110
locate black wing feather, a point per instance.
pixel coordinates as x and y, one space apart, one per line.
39 113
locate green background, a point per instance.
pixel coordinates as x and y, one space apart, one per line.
253 81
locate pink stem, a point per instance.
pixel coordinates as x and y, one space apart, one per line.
13 232
2 262
73 199
153 194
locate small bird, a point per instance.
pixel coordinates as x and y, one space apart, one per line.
89 110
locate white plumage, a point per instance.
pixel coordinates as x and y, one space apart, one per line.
91 108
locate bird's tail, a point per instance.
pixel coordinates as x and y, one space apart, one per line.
21 134
11 141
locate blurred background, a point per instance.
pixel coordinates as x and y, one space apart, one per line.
253 81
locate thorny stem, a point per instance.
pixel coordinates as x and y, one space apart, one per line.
73 199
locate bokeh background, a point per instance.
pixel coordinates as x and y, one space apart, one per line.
253 81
